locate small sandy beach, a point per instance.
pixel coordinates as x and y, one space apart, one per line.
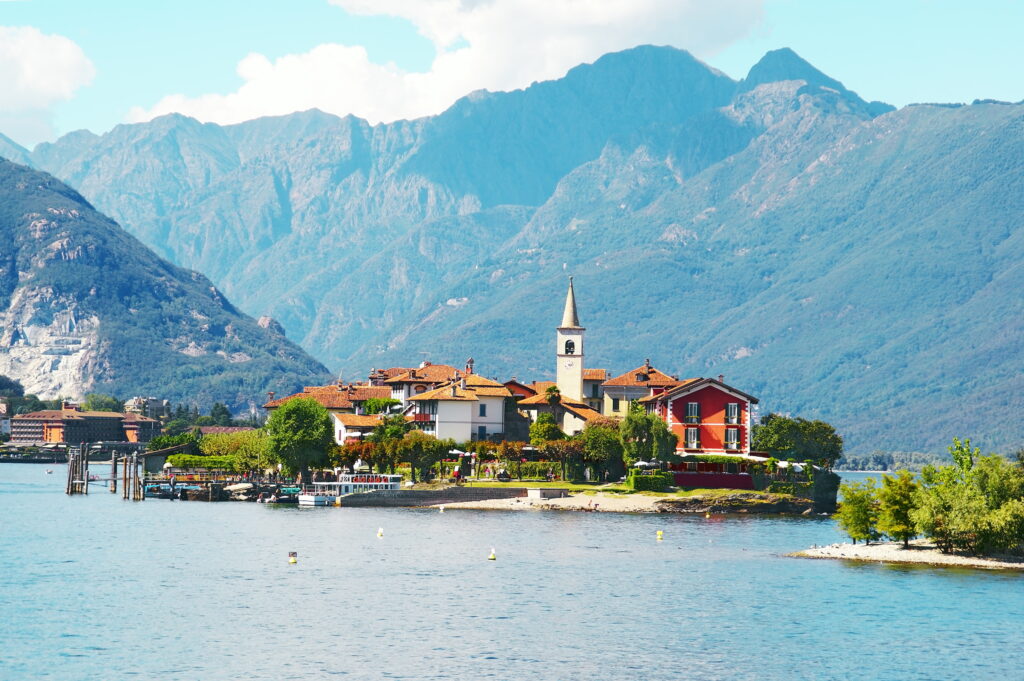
920 552
600 502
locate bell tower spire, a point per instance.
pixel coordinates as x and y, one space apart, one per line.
569 350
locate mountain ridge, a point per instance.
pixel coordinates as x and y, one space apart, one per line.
752 228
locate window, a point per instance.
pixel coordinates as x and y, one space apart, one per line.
483 410
693 412
595 390
693 438
481 432
570 347
615 404
420 388
732 438
732 412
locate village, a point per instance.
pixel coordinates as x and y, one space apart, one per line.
698 432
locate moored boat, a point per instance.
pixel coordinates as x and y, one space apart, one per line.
331 493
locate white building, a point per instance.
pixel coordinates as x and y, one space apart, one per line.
468 408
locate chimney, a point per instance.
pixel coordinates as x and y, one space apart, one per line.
647 365
721 378
453 390
469 365
462 382
412 373
424 364
270 396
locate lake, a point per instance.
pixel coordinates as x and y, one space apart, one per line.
99 588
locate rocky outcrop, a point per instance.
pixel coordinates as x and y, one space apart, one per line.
85 307
737 502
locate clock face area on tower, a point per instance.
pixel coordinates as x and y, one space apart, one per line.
569 364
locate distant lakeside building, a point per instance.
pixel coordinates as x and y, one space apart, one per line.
72 426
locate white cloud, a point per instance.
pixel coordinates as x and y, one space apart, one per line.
492 44
37 71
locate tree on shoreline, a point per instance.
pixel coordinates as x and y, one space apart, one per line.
858 513
798 439
897 499
300 433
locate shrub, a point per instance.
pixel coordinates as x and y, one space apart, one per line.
650 482
218 463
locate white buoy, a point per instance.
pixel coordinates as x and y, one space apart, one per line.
380 531
442 508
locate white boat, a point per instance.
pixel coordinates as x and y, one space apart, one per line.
331 493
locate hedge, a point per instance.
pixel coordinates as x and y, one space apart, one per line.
715 458
650 482
185 461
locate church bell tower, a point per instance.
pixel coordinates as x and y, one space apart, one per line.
569 350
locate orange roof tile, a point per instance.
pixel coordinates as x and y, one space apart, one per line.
431 373
359 420
475 389
595 374
644 376
693 384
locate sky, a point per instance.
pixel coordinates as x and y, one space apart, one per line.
71 64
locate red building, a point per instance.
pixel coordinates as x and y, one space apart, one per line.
708 416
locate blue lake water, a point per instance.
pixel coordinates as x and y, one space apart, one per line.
99 588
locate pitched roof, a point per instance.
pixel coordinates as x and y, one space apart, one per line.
695 384
645 376
595 374
359 420
73 415
476 387
541 386
583 412
335 396
430 373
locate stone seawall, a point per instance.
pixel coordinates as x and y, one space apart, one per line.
450 495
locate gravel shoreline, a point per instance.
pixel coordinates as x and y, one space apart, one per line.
920 552
601 503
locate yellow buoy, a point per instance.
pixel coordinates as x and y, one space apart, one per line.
661 535
442 508
707 515
380 531
492 556
293 557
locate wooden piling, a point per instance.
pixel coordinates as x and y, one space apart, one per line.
113 473
85 468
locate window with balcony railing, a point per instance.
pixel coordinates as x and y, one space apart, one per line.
732 412
693 438
692 412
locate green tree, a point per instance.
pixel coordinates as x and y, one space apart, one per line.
101 402
392 427
566 452
10 387
249 449
379 405
422 451
510 454
300 433
858 513
544 429
220 415
799 439
645 437
602 447
897 499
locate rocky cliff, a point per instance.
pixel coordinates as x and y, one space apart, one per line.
85 307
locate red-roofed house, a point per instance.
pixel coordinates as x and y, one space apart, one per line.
643 381
708 416
469 407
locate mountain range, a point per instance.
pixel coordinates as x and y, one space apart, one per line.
838 258
84 306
